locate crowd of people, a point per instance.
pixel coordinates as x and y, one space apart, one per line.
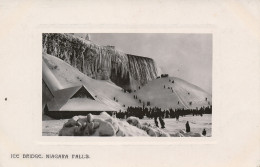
152 112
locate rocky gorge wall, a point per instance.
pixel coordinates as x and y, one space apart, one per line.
100 62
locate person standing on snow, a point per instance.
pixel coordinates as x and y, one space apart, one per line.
161 115
158 114
187 127
204 132
155 116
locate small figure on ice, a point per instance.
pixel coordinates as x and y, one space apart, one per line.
159 114
187 127
204 132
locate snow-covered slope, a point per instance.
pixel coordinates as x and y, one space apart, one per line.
168 97
105 91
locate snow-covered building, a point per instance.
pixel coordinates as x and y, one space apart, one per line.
59 102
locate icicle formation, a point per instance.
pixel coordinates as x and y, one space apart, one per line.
100 62
142 69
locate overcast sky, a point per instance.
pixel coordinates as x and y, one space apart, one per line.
187 56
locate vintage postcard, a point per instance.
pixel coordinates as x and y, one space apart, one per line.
129 83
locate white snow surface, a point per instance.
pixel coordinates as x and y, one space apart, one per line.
105 125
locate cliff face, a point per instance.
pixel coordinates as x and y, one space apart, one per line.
100 62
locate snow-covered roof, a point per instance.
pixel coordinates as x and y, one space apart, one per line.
85 104
50 80
76 98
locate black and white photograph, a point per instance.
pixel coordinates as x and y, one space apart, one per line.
127 84
146 83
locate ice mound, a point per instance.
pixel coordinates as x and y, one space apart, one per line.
190 134
150 130
105 125
183 133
